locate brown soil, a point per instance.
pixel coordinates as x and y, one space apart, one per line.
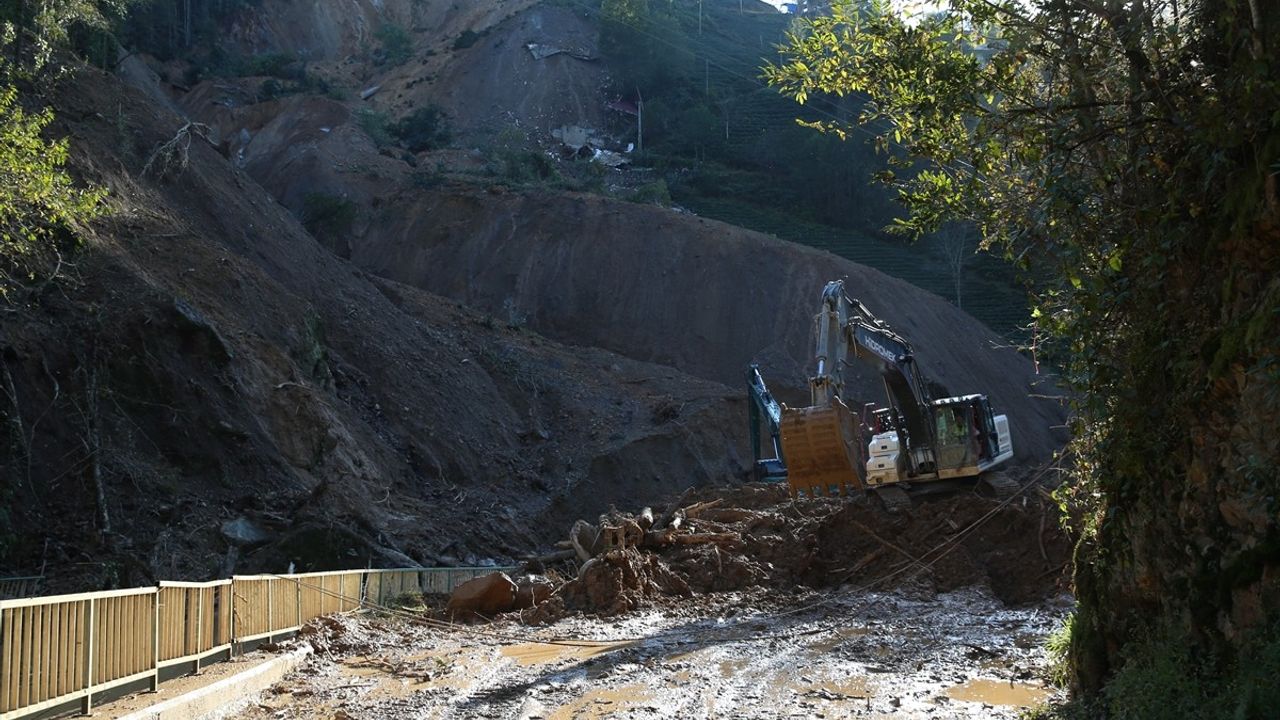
227 365
204 359
755 654
1014 549
654 284
701 296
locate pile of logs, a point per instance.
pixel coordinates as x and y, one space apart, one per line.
693 524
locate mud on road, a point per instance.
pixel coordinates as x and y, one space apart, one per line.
755 654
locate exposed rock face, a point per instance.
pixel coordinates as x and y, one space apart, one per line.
1184 542
486 596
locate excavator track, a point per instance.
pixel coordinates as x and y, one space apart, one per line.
998 485
893 498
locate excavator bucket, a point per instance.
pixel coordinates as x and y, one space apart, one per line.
821 449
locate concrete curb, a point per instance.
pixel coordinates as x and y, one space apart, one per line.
225 695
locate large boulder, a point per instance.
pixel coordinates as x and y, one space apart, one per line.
488 595
532 590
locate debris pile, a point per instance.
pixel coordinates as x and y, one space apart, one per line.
713 540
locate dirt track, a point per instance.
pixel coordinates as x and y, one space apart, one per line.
957 655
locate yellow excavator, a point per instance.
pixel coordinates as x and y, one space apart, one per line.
916 442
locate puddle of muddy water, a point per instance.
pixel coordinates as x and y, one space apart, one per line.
853 688
999 692
838 638
599 704
729 668
541 653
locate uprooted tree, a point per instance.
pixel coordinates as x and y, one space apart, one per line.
1129 150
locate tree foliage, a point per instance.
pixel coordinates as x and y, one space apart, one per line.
426 128
40 205
1128 149
31 33
706 110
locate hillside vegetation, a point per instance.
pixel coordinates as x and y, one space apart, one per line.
1131 150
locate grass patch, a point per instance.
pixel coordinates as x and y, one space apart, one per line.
1058 648
376 126
397 44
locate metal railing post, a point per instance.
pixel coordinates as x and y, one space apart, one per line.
86 706
231 598
199 630
271 627
155 640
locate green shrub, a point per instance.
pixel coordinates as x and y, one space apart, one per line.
654 193
528 166
271 89
397 44
325 214
1162 678
276 65
376 126
426 128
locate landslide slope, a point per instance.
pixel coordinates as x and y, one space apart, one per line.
699 295
656 285
206 389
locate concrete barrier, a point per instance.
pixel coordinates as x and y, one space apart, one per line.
227 695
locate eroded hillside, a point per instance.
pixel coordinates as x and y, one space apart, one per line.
651 283
448 375
209 390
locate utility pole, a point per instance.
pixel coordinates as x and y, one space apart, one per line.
699 17
639 121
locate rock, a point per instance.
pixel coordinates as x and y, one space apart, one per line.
586 539
242 531
532 590
198 335
488 595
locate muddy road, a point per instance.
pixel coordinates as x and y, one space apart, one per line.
757 654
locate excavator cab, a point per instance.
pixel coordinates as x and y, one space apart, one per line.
969 438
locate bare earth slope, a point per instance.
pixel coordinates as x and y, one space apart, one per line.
699 295
204 360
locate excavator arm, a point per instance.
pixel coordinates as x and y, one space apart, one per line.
845 323
766 411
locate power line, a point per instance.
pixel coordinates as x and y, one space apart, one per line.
857 127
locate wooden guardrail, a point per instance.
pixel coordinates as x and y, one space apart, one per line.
62 649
